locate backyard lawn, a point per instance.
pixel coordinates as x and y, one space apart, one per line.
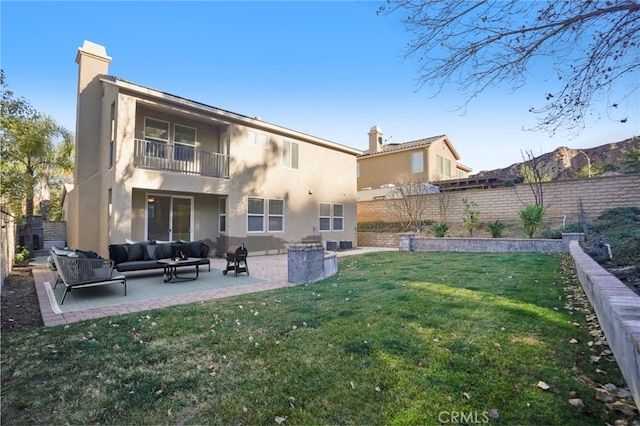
393 338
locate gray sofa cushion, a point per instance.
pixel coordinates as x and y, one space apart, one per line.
136 252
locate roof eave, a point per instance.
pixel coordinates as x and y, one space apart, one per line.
227 115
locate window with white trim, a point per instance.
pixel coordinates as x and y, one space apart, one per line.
447 167
255 214
417 163
222 214
156 132
112 134
258 139
290 154
338 217
184 141
324 214
276 215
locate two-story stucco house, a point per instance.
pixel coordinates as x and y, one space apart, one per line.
154 166
428 160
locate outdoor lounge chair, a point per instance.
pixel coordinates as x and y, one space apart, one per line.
80 272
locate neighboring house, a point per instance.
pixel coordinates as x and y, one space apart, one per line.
155 166
427 160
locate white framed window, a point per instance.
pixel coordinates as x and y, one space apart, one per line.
330 217
439 164
258 139
324 214
290 154
156 133
222 215
184 141
255 214
417 162
276 215
338 217
112 134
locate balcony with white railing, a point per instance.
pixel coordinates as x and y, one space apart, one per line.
179 159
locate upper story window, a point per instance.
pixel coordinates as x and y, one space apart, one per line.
417 162
156 131
112 134
443 165
259 139
290 154
184 141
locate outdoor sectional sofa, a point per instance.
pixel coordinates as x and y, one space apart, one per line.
137 256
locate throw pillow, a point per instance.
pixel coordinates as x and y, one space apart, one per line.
163 251
135 252
61 252
88 254
118 253
151 251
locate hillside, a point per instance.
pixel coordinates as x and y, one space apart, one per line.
564 163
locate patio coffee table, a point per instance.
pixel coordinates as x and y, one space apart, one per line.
171 268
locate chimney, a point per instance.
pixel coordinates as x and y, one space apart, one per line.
92 62
375 140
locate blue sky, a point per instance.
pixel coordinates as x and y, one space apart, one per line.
330 68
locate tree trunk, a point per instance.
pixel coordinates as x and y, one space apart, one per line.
28 227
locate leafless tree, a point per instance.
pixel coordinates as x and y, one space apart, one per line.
591 44
408 203
533 175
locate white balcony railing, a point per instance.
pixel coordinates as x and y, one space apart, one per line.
180 159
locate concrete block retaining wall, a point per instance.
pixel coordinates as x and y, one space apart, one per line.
618 310
378 239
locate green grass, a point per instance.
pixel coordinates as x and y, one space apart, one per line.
393 338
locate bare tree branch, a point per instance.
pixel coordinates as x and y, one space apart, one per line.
590 44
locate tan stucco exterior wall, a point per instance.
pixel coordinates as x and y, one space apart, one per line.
108 203
395 166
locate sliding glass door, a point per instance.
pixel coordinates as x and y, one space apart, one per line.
169 218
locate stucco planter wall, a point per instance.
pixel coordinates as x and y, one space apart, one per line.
308 263
618 310
420 242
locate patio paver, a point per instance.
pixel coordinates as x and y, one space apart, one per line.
271 268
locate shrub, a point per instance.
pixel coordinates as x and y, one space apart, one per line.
470 216
22 257
531 218
439 229
496 228
556 234
380 226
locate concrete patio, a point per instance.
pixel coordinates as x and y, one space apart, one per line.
270 270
